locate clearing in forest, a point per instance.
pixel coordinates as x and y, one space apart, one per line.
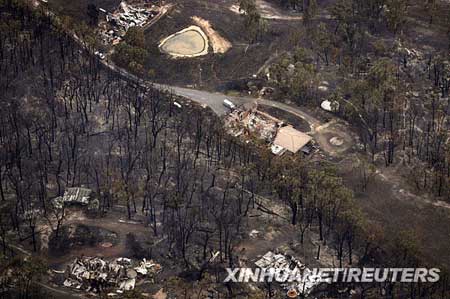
269 12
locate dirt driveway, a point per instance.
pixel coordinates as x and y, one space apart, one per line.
270 12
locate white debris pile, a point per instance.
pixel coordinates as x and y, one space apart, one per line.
76 195
95 274
253 121
129 16
291 267
125 17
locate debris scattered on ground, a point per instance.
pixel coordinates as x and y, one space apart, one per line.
254 122
95 274
267 11
265 127
411 58
291 266
76 195
126 16
277 150
254 234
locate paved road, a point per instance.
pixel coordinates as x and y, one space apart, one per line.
213 100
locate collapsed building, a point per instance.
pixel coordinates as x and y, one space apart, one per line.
126 16
290 266
76 195
253 121
263 126
93 274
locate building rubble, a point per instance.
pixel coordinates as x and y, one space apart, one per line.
126 16
93 274
253 121
75 195
263 126
290 265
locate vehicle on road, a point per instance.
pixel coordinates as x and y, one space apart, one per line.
229 104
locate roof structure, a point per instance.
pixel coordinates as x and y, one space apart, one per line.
291 139
80 195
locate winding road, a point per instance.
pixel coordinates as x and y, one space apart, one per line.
213 100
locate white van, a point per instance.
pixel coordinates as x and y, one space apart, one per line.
229 104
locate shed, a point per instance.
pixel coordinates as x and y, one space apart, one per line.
77 195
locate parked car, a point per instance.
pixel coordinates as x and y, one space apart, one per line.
229 104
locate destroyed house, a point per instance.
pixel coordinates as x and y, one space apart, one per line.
96 274
77 195
306 280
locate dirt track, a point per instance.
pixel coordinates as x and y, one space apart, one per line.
269 12
218 43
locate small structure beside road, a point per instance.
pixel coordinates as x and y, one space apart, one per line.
75 195
127 16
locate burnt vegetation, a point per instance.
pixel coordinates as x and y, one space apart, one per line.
394 90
